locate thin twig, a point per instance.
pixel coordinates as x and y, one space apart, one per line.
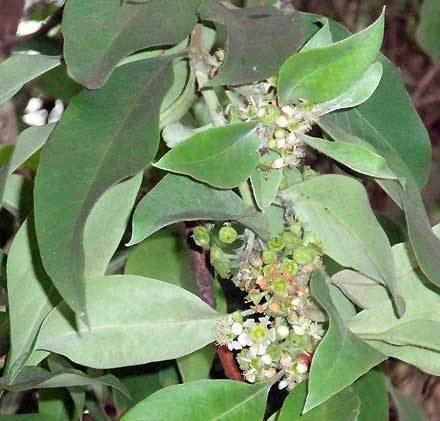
425 82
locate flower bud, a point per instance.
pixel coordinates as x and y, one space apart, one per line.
289 267
227 234
282 332
280 286
281 121
278 163
266 359
304 255
201 237
222 268
276 243
270 256
280 134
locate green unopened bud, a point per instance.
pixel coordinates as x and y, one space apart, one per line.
201 237
256 363
280 134
270 270
258 333
291 240
271 115
276 243
227 234
296 228
304 255
289 267
275 351
280 286
269 256
237 317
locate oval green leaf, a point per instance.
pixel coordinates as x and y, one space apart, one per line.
321 74
221 156
103 137
132 320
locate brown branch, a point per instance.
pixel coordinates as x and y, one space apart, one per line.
202 274
426 82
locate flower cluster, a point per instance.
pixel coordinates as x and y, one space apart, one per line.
279 126
277 333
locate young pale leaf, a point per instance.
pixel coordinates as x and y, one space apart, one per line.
31 294
20 69
428 31
222 156
356 94
388 121
324 73
337 209
103 137
343 406
265 185
357 157
341 357
260 59
321 39
191 201
98 34
222 400
39 378
134 329
29 142
372 391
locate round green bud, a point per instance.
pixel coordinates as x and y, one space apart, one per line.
201 237
309 173
304 255
296 228
276 243
275 351
280 286
272 144
256 363
227 234
289 267
217 253
291 240
237 317
269 256
268 270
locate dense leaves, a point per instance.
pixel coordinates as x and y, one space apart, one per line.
81 161
99 34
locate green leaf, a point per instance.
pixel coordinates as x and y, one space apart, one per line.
17 196
98 34
114 133
322 38
343 406
428 31
341 357
247 62
388 121
221 156
196 366
373 393
265 185
29 142
55 403
203 400
178 198
407 408
357 157
146 312
39 378
28 417
31 293
324 73
20 69
356 94
337 210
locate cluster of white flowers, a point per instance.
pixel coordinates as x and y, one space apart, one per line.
277 333
279 126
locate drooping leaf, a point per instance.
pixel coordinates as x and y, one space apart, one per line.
372 391
222 156
98 34
260 57
103 137
357 157
342 406
31 293
146 312
322 38
20 69
356 94
341 357
191 201
265 185
29 142
203 400
428 31
39 378
321 74
337 209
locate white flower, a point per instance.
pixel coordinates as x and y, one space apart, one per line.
289 110
299 330
282 331
281 121
278 163
237 328
266 359
244 339
261 112
282 384
302 368
281 143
